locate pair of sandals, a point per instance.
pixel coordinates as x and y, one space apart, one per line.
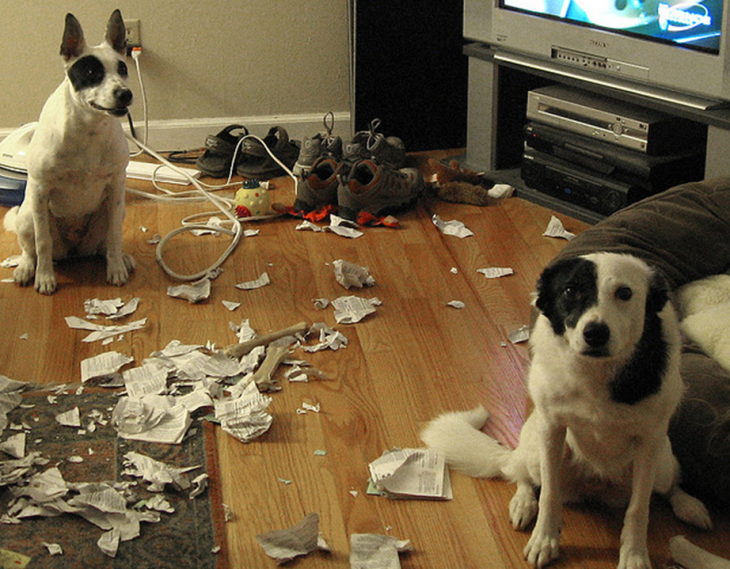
252 159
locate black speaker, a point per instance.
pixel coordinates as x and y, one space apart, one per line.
410 72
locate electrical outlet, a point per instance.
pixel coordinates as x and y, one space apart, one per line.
134 39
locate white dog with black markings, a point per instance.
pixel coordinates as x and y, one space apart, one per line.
604 379
77 159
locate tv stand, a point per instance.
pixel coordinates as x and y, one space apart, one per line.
497 99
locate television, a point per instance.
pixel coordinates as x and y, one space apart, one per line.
674 50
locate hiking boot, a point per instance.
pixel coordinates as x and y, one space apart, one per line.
257 163
310 151
377 189
321 144
370 145
319 188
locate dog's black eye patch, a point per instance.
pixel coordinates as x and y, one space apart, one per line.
122 69
86 72
565 291
624 293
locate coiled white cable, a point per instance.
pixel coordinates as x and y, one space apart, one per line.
202 191
223 205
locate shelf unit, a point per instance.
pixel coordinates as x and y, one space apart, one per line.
497 101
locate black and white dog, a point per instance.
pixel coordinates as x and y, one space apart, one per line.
77 159
604 379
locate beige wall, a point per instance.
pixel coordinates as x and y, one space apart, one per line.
202 61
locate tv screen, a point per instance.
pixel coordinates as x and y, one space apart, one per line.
695 24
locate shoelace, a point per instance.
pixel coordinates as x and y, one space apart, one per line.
373 137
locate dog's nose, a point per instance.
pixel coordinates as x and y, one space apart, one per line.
123 97
596 334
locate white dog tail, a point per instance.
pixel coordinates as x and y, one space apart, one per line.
457 436
9 219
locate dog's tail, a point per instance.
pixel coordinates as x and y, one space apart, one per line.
457 436
9 219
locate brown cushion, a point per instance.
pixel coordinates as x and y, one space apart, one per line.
685 233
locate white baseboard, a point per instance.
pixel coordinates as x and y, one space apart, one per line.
189 134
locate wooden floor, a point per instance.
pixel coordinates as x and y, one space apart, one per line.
413 359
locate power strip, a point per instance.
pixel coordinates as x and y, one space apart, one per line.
145 170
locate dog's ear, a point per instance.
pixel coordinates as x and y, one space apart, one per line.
658 294
73 43
116 35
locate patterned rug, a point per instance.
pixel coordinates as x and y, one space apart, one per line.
185 539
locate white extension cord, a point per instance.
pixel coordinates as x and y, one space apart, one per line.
202 191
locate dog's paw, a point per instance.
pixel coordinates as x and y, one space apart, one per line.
542 548
630 558
129 262
690 510
24 272
523 506
117 271
45 283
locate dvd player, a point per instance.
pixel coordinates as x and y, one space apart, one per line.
580 186
655 173
612 121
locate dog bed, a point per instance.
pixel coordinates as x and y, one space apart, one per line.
685 233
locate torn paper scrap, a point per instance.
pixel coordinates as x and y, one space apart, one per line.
690 556
453 227
149 378
307 225
343 227
53 548
100 332
156 473
329 338
104 307
70 418
14 445
199 484
372 551
500 191
113 308
148 419
299 374
320 303
412 473
13 559
8 385
45 486
193 292
14 471
556 229
496 272
522 334
230 305
352 309
103 365
109 542
456 304
8 402
262 281
245 417
244 332
285 544
350 275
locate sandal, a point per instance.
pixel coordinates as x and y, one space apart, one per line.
219 149
257 163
